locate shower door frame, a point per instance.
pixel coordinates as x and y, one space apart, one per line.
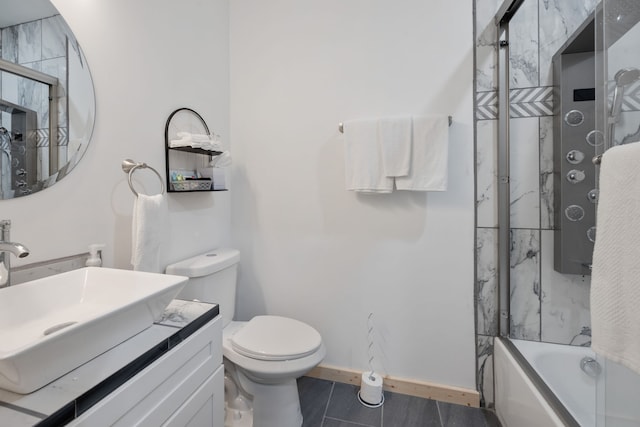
502 19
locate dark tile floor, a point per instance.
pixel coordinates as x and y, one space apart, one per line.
329 404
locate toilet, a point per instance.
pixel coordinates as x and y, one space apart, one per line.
262 357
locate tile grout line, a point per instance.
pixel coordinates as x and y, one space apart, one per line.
355 423
326 406
439 413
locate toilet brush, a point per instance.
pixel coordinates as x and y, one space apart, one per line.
371 394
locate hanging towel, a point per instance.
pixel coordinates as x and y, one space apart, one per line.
363 160
429 155
395 144
615 281
149 231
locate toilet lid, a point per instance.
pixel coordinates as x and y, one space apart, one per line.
276 338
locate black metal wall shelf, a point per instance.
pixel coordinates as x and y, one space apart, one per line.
186 186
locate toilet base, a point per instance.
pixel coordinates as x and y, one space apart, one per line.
272 405
237 418
277 405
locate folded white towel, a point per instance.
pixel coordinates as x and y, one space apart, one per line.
615 281
395 144
195 137
363 158
429 156
149 231
188 142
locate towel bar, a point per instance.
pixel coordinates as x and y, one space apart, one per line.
341 125
129 166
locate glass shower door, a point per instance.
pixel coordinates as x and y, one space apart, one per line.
618 111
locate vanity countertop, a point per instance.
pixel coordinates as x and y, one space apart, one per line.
72 394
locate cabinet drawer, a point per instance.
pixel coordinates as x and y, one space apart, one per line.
205 408
152 396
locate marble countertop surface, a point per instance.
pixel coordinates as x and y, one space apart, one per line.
84 386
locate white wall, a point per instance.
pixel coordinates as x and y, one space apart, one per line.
312 250
147 58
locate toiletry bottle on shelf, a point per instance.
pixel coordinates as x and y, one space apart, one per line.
94 259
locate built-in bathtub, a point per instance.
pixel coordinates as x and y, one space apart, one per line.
542 384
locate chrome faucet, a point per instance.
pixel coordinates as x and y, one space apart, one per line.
6 246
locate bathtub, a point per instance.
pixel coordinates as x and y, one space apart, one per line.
540 384
558 393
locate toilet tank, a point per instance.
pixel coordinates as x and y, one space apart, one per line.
212 278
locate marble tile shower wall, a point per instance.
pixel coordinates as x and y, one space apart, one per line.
40 45
545 305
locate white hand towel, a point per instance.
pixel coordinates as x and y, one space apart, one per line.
395 144
363 159
429 156
615 281
149 231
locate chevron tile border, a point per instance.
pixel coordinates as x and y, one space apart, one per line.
538 102
42 137
487 105
526 102
63 137
531 102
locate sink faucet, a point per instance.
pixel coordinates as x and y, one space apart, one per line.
6 246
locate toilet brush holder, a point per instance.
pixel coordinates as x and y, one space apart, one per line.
371 394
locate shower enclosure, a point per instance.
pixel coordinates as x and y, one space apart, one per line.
564 87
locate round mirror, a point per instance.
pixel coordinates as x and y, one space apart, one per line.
47 100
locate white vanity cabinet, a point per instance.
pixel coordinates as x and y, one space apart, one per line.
184 387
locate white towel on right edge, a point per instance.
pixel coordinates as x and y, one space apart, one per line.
429 156
615 280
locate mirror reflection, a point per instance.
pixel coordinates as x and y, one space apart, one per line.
47 101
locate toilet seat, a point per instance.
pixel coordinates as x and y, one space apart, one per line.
274 338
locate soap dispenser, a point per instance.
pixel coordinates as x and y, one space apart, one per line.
94 259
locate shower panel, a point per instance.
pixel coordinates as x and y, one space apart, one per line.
575 143
23 147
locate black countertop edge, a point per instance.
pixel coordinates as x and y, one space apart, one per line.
74 409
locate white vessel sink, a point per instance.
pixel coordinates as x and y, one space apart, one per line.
51 326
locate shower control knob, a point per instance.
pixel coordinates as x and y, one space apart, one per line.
21 172
593 196
21 184
575 156
575 176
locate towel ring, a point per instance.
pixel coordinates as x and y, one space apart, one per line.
129 166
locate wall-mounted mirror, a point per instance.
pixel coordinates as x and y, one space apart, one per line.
47 100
